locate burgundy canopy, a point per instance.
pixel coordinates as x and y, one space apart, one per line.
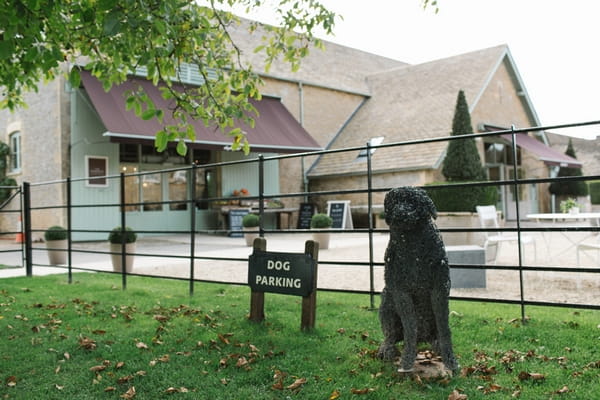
276 130
545 153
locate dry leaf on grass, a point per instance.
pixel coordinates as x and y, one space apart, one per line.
361 391
297 383
456 395
129 394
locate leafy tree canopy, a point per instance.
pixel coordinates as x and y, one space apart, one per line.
111 38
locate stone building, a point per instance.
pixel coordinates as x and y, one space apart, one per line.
340 97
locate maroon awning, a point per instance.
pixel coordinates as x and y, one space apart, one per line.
545 153
275 130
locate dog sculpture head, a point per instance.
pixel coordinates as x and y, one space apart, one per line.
407 207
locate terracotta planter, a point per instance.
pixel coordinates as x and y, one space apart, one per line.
322 238
250 234
57 251
117 260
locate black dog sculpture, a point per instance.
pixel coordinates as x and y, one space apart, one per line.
414 302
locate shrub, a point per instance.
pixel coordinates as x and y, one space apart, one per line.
250 220
117 235
452 199
320 220
595 192
56 233
569 188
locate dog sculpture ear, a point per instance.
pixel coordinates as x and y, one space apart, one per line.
429 206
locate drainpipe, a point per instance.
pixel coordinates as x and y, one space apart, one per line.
301 117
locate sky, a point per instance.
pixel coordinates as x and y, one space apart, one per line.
554 44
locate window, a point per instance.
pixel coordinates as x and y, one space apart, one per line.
376 141
14 140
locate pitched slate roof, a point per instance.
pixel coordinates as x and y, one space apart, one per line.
412 102
336 67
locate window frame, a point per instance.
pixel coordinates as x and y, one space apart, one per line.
14 144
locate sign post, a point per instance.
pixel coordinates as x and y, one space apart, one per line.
285 273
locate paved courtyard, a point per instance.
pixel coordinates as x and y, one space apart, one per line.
553 249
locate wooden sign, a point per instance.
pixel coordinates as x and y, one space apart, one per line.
339 211
286 273
307 210
236 215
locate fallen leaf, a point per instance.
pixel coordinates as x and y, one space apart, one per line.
119 365
161 318
98 368
277 385
564 389
141 345
334 395
455 395
59 387
241 362
297 383
110 389
129 394
87 343
11 381
361 391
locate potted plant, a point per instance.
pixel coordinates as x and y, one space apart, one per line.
56 244
251 223
321 221
569 206
117 237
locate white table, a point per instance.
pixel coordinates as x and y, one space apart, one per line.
565 216
593 217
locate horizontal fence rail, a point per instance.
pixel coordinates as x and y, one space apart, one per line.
372 262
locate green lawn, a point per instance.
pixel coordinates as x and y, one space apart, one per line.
92 340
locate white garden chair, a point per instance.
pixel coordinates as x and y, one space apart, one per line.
488 218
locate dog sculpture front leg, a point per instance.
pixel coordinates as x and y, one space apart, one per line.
406 309
439 302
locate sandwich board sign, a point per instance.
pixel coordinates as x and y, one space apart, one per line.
339 211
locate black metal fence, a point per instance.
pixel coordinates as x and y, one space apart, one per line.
519 270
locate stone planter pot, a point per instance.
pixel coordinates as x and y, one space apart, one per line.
250 234
117 260
460 220
381 224
322 238
57 251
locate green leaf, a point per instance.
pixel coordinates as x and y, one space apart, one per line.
148 114
161 141
181 148
74 77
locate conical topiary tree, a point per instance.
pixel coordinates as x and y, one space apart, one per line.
462 164
569 188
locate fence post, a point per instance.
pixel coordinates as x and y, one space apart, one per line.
26 228
517 203
123 233
370 215
69 227
193 227
261 194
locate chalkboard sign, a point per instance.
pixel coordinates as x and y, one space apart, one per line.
339 211
235 221
305 214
